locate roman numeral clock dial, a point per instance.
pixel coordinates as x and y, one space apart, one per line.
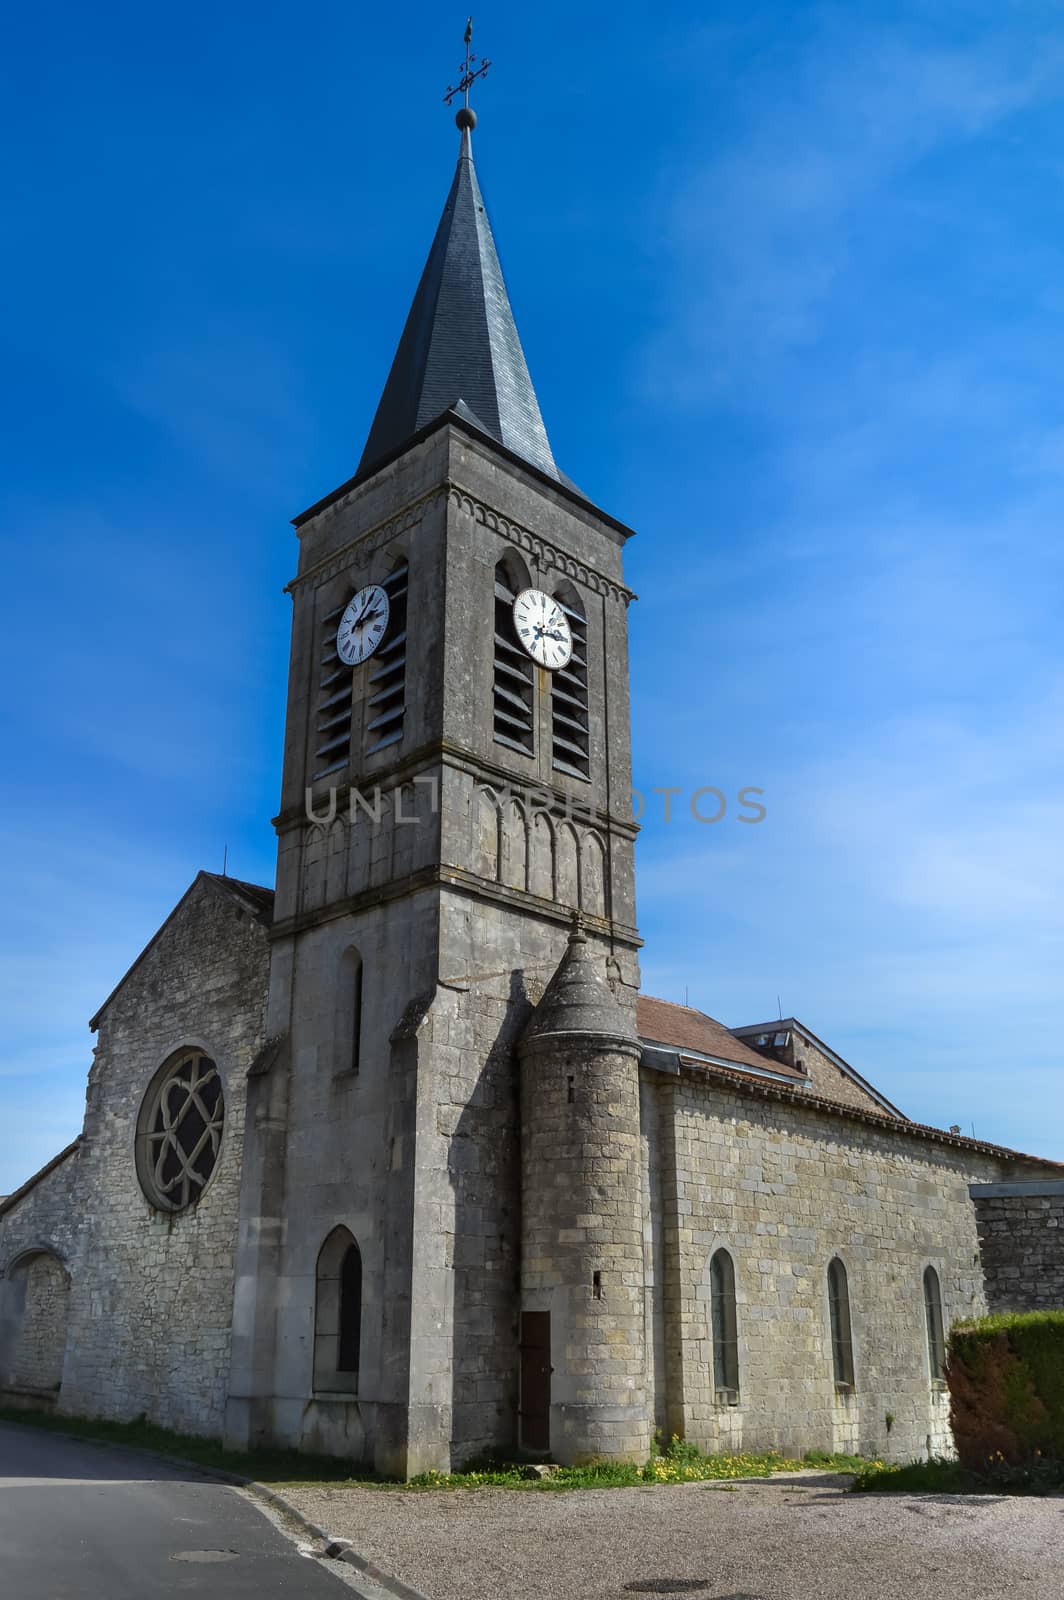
362 625
543 629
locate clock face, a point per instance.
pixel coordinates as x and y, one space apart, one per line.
542 628
362 625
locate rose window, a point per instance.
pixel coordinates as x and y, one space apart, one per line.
181 1131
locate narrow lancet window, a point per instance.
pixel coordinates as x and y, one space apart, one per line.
338 1314
841 1335
350 1342
725 1325
347 1013
936 1338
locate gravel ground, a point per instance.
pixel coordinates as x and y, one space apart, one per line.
776 1539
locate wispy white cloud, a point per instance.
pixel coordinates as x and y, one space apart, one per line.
772 213
905 897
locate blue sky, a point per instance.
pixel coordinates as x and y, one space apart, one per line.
789 282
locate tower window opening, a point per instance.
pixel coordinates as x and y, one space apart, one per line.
514 681
596 1285
386 705
572 1090
570 722
335 688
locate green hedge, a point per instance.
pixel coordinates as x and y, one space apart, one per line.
1006 1382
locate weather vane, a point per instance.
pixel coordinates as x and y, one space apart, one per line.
470 73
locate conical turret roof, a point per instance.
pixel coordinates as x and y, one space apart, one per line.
578 999
460 348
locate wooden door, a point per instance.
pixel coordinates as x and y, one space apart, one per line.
535 1380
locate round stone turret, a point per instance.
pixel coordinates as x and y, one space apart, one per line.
583 1350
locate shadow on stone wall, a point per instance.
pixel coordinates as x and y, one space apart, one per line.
484 1166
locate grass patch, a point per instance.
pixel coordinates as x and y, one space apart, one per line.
265 1466
674 1462
837 1463
939 1476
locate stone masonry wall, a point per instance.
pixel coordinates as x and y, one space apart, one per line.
152 1291
38 1241
828 1079
582 1241
41 1346
784 1189
1021 1238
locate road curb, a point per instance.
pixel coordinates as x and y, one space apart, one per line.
332 1549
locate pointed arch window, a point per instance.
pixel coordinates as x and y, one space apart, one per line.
386 702
338 1314
513 683
841 1333
725 1326
568 699
936 1337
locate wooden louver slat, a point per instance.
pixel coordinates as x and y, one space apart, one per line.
513 679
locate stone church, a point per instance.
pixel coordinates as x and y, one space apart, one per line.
394 1161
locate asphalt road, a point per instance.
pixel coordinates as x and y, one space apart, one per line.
79 1521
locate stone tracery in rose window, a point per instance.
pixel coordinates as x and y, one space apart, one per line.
184 1131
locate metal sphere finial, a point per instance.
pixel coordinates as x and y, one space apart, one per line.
465 117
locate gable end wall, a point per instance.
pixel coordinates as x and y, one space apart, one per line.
152 1292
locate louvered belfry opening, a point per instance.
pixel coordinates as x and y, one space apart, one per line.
386 701
335 688
514 682
569 709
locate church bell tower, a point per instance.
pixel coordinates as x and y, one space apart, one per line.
456 789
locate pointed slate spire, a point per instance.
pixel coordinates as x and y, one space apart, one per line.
460 348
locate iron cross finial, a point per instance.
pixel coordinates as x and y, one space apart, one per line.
470 73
